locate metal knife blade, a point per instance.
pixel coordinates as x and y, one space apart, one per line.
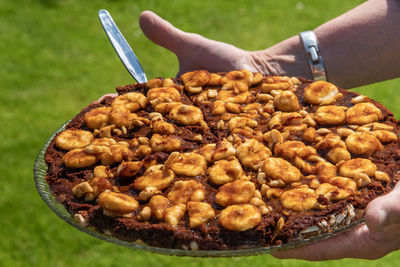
122 47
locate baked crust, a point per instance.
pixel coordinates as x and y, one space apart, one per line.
217 161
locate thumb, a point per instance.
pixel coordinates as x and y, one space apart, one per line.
384 211
161 31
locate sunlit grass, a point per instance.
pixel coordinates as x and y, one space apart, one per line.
55 59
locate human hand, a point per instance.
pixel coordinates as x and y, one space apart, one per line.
378 236
196 52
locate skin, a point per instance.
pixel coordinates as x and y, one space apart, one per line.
359 47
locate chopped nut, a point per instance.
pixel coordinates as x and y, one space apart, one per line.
359 99
240 217
362 179
279 225
81 189
344 132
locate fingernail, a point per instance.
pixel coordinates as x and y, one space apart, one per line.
381 219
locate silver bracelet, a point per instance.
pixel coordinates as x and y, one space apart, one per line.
314 59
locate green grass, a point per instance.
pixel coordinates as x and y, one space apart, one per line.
55 59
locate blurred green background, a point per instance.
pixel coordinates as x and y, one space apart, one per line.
55 59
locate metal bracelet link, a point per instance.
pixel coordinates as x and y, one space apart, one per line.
314 59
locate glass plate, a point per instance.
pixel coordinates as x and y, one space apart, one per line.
40 170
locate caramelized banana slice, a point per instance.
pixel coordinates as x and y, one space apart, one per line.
73 138
363 113
280 169
299 199
225 171
131 101
77 158
160 179
187 164
195 80
252 153
199 213
117 204
240 217
321 93
355 166
98 117
236 192
330 115
363 143
186 115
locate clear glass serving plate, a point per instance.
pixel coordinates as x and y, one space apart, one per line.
40 170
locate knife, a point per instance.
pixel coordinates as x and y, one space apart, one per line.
122 47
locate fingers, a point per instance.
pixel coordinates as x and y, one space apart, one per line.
161 31
351 244
105 96
384 211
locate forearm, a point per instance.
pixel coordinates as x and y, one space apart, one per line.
359 47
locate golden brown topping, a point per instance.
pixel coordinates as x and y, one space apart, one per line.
382 176
144 214
148 192
73 138
290 149
287 121
218 107
117 204
330 115
162 143
82 189
160 179
174 214
163 95
286 101
164 108
385 136
338 188
229 96
102 171
299 199
321 93
129 168
187 164
233 108
362 143
338 154
98 117
131 101
252 153
237 76
199 213
223 150
225 171
196 79
76 158
183 191
363 113
354 166
207 151
162 127
105 141
280 169
186 115
236 192
276 83
158 204
240 217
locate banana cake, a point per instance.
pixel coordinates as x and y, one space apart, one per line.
224 161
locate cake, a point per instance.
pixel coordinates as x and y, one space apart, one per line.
224 161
